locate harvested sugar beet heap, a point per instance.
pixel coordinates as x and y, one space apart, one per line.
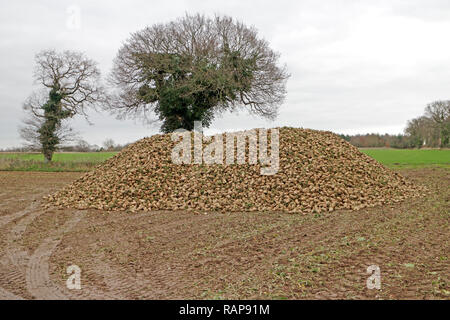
318 171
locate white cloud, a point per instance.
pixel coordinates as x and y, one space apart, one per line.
357 66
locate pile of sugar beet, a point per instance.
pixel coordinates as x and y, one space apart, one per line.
318 172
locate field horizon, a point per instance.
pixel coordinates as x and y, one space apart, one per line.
85 161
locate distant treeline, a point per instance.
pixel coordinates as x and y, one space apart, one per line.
379 141
432 130
426 139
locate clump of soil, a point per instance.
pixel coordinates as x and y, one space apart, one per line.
318 171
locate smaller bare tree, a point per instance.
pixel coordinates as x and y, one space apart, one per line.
29 132
439 113
420 131
109 144
70 84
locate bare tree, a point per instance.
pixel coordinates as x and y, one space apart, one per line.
190 69
439 113
29 132
83 146
70 84
109 144
421 131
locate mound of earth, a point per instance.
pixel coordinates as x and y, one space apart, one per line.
318 171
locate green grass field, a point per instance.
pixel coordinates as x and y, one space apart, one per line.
76 161
85 161
407 158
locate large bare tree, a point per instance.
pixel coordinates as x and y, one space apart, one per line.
190 69
70 83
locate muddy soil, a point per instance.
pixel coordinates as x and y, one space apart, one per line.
180 255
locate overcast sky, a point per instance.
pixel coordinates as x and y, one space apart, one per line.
356 66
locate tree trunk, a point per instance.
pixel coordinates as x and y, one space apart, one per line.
48 155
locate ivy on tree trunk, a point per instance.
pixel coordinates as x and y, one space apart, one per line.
53 114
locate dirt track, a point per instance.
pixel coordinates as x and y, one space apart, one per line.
170 255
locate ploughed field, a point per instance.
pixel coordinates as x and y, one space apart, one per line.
177 254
